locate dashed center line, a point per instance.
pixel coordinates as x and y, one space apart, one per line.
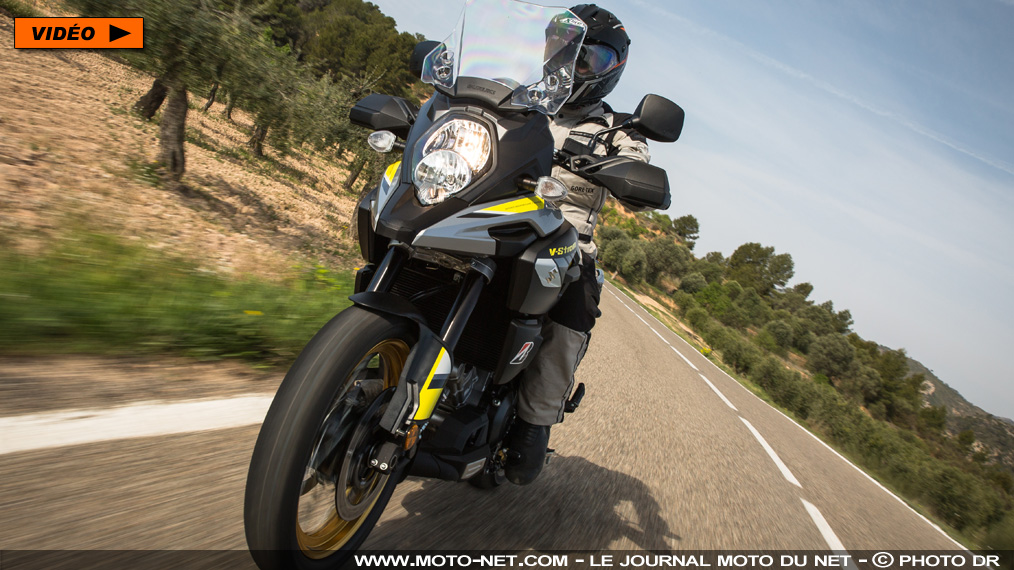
774 456
685 359
720 395
825 530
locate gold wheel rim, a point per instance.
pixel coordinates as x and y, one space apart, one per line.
333 531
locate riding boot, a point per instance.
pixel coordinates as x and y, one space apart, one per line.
528 444
545 388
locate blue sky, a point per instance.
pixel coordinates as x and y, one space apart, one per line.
871 140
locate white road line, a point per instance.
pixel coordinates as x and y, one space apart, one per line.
720 395
872 480
774 456
820 441
825 530
685 359
143 419
659 336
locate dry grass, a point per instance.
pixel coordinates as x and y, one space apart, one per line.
72 153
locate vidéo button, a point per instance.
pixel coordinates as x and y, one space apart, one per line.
78 33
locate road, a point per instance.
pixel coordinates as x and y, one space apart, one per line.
666 452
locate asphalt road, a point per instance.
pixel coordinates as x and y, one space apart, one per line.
666 452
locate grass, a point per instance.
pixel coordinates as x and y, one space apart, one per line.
18 9
145 172
100 294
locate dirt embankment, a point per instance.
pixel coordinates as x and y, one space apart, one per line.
73 156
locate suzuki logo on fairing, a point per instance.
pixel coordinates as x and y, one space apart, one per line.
523 353
554 274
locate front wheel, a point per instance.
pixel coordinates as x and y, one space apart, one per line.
311 496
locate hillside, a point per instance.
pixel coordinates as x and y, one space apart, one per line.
996 433
802 355
73 157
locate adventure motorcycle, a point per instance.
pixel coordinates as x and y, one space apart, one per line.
465 255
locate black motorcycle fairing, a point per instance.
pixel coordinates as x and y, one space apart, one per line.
534 288
523 340
523 149
372 247
491 93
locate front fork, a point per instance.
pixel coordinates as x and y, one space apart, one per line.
430 362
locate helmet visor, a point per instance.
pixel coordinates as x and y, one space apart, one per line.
595 60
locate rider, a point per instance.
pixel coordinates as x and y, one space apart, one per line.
548 381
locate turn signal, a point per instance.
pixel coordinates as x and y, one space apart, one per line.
550 189
382 141
412 437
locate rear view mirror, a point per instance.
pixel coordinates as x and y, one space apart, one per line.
384 113
658 119
422 49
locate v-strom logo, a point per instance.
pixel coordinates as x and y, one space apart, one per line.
523 353
558 251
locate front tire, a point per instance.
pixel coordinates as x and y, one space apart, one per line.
311 497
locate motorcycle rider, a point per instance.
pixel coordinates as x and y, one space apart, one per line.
548 381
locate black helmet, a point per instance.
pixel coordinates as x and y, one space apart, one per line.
603 55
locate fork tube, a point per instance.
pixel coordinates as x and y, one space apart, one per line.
468 297
392 262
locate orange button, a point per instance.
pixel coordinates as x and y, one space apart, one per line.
78 33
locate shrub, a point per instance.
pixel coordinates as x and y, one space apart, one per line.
698 319
1001 535
634 264
831 355
781 333
693 282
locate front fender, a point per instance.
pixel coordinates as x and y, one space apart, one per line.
390 304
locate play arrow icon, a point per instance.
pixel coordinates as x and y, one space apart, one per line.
116 33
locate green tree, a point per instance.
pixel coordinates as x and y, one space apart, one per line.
613 251
756 310
634 264
687 229
666 257
831 355
355 40
933 420
712 266
693 282
965 439
822 319
754 265
183 46
803 289
781 333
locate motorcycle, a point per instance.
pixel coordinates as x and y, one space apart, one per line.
465 253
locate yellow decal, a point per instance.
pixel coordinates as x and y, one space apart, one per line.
518 206
428 397
391 171
558 251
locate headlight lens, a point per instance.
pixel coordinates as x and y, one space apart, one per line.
453 156
439 175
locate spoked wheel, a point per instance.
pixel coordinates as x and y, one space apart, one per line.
312 496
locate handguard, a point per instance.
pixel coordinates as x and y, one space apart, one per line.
628 179
635 182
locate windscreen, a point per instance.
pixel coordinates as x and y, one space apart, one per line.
528 48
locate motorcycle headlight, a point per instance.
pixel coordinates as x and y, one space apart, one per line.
452 157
